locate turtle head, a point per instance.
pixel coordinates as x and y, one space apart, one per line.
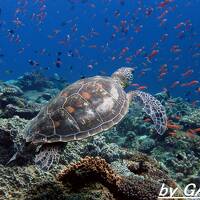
124 76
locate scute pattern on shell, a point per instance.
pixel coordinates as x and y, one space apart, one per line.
83 109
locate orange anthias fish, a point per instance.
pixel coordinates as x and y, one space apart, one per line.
198 89
164 3
163 71
147 120
173 126
190 135
153 54
135 85
188 72
179 25
191 83
176 83
172 133
193 131
142 88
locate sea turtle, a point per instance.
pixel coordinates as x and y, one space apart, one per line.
85 108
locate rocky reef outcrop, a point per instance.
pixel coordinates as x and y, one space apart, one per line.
12 102
143 184
89 178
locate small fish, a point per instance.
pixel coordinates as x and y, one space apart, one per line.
135 85
142 88
33 62
198 89
153 54
188 73
58 63
173 126
190 135
82 76
147 120
59 53
90 66
179 25
172 133
175 84
8 71
191 83
164 3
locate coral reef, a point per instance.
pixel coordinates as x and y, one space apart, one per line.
16 179
37 88
136 133
177 151
192 120
91 178
96 169
97 146
13 103
10 136
33 81
146 144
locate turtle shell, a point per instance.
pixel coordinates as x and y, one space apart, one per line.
83 109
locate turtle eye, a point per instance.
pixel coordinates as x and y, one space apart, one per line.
129 76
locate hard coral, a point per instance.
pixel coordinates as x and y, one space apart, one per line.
10 137
97 146
96 169
90 169
33 81
149 168
192 119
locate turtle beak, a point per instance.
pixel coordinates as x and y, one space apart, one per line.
131 70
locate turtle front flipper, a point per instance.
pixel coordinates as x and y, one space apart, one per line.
22 155
152 107
12 159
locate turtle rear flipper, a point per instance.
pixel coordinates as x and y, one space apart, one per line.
152 107
47 155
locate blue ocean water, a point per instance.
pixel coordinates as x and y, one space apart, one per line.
81 38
